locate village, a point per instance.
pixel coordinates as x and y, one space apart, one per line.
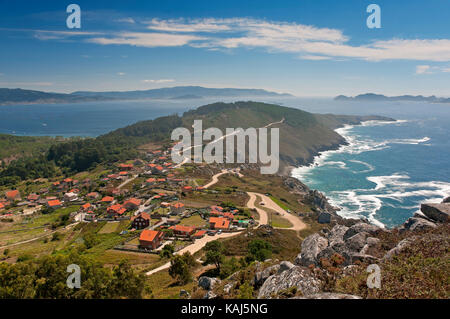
146 194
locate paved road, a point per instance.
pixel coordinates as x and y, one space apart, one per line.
195 247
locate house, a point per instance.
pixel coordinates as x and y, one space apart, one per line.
70 197
86 207
183 231
68 181
219 223
13 195
177 208
2 207
107 199
93 195
132 204
33 197
55 203
116 210
126 167
199 234
123 173
150 239
141 221
150 181
187 189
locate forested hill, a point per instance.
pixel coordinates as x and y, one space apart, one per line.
302 136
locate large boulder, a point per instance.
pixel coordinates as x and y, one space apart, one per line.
437 212
208 283
300 277
336 235
361 227
417 223
328 295
285 265
400 247
311 247
261 276
324 218
357 241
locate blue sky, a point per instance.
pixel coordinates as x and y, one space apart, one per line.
303 47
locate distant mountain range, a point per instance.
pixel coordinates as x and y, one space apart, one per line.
20 96
380 97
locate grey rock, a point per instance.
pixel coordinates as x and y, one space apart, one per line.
337 234
364 258
372 241
328 295
357 241
209 295
285 265
324 218
446 200
360 227
311 247
227 288
184 294
208 283
400 247
261 276
437 212
299 277
416 223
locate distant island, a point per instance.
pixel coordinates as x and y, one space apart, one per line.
380 97
21 96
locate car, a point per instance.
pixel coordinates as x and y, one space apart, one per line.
262 204
219 232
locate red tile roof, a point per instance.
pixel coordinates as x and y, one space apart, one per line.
53 203
200 233
107 199
144 215
178 205
12 194
133 201
182 228
150 235
219 222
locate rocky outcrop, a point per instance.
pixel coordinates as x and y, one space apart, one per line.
361 227
324 218
300 277
446 200
208 283
400 247
311 247
417 224
285 265
352 243
437 212
261 276
328 295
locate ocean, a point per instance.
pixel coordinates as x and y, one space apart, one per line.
384 173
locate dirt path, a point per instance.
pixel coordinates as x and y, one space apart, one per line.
215 178
296 222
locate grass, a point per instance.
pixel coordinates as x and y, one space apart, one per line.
109 227
195 220
274 219
165 287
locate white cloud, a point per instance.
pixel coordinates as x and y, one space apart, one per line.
21 84
126 20
423 69
159 81
314 57
120 73
143 39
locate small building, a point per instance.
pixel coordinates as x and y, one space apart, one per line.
183 231
93 195
116 210
13 195
33 197
199 234
126 167
132 204
150 181
55 203
141 221
219 223
150 239
70 197
177 208
86 207
107 199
